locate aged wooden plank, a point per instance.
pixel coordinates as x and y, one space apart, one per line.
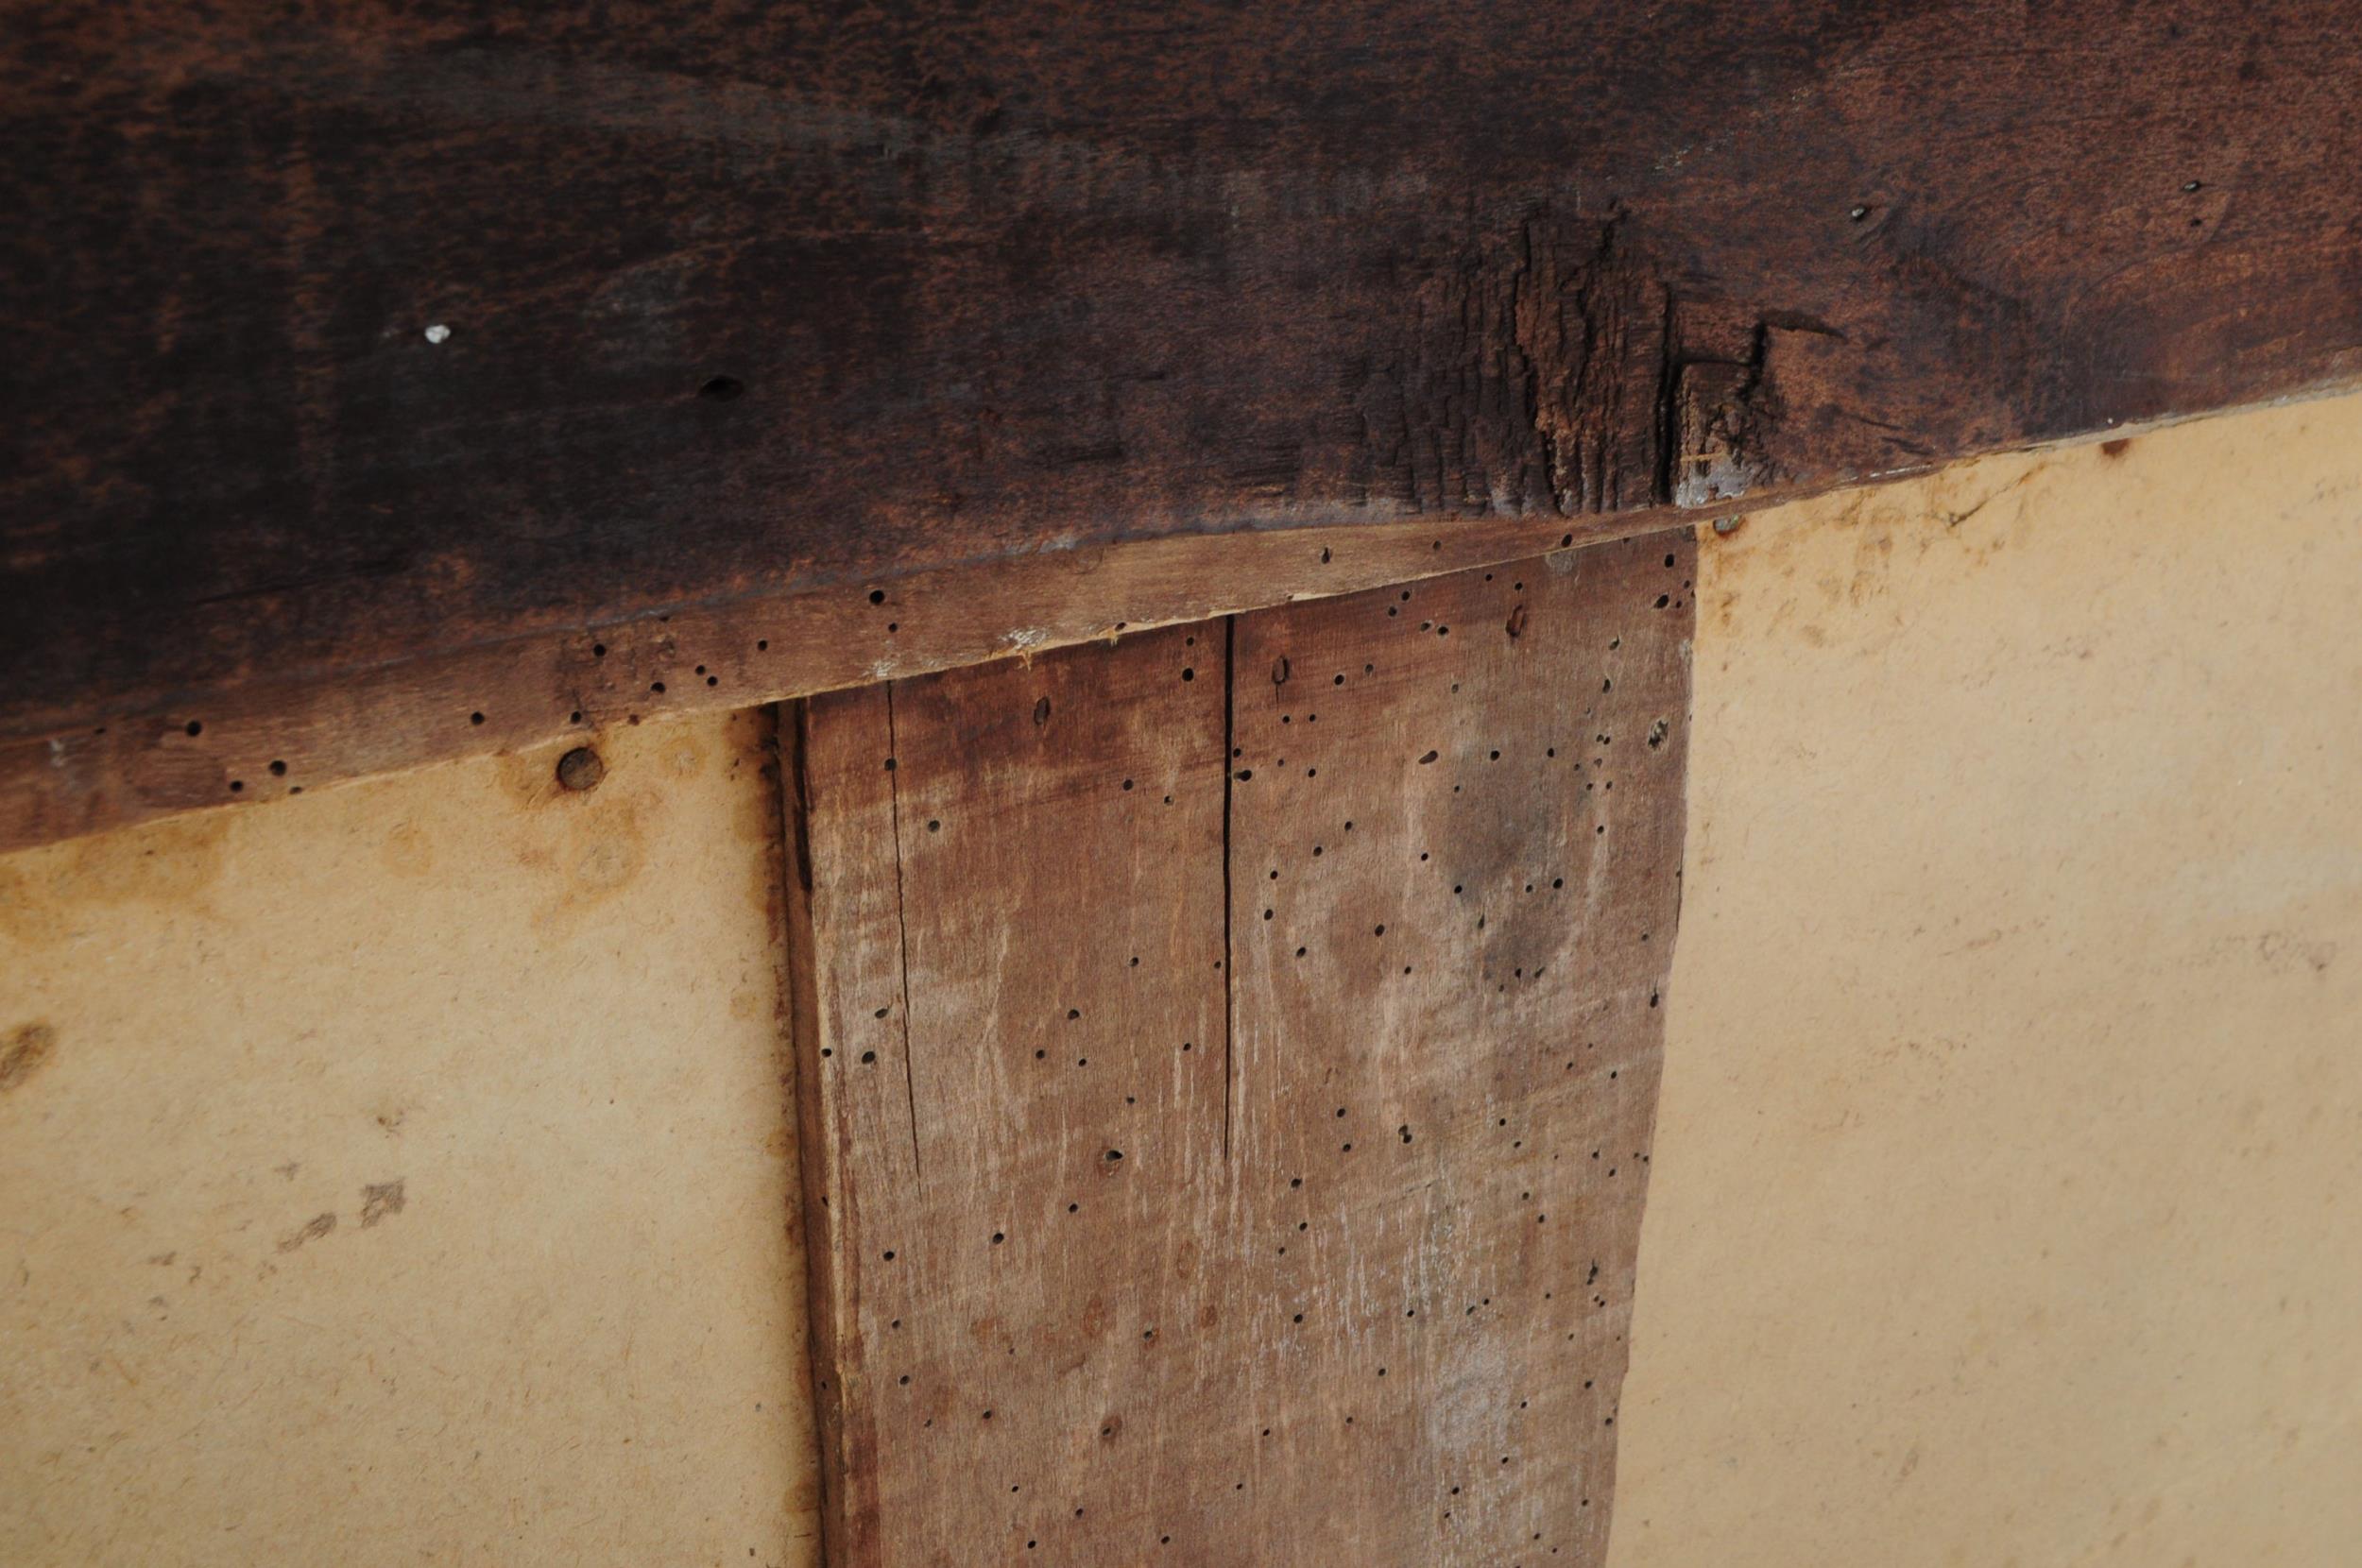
1013 1068
248 742
1456 851
342 341
1242 1161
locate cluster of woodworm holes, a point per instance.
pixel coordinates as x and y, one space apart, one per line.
1404 1131
1596 1300
731 389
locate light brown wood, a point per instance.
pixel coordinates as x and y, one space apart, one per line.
1455 877
1332 1262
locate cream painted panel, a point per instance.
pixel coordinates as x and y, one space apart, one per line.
405 1174
2007 1200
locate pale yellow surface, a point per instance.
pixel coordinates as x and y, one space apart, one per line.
2007 1199
552 1018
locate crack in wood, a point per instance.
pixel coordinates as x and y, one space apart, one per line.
1380 1311
901 932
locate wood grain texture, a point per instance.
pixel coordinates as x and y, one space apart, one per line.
1013 1060
267 739
731 303
1240 1157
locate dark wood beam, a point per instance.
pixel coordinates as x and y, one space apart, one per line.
382 340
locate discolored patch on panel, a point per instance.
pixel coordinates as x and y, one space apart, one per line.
1230 1062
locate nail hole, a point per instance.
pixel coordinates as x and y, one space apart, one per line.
581 769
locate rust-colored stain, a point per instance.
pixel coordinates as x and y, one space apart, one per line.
597 854
408 851
48 894
29 1048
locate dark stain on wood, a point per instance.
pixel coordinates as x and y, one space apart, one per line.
346 351
1228 1102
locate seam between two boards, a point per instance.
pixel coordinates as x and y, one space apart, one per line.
1229 980
901 923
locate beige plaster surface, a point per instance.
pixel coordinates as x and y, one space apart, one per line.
403 1174
2007 1199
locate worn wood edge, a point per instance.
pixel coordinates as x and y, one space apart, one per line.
821 1157
267 739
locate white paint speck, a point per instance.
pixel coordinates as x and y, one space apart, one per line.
437 332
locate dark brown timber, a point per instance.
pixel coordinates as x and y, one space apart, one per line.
1228 1063
364 361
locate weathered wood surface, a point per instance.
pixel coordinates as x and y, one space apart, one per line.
266 739
386 333
1243 1157
1010 1049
